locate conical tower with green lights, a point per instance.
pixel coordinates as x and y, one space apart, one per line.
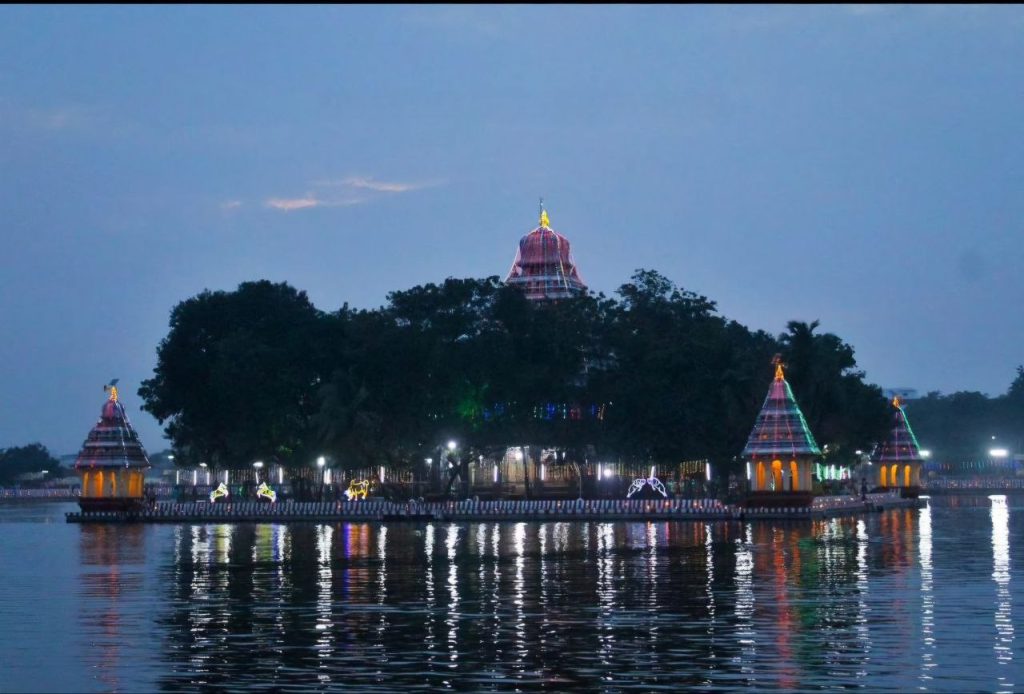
781 449
899 459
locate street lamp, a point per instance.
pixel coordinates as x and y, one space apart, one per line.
925 453
451 445
203 465
321 462
258 464
998 452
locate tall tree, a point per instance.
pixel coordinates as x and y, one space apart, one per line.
236 375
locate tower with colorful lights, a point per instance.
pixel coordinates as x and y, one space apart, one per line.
112 462
899 458
544 268
780 450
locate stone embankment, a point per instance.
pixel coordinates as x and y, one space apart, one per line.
575 510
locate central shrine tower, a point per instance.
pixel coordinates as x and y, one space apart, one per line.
544 268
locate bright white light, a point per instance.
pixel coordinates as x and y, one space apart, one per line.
451 445
258 464
608 472
707 471
280 475
381 473
748 470
327 476
429 461
202 465
321 461
998 452
542 472
926 453
495 473
195 477
859 452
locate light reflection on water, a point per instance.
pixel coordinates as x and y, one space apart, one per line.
903 600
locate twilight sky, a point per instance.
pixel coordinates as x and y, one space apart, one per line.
859 165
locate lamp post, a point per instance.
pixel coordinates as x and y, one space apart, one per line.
203 465
446 469
429 462
257 465
321 463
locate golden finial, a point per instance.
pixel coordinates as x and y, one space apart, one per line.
544 222
777 360
896 402
112 387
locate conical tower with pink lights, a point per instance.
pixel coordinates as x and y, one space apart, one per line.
544 268
112 461
781 449
899 459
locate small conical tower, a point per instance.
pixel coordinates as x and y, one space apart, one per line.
781 449
899 458
112 462
544 267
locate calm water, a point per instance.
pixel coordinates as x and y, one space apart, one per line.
907 600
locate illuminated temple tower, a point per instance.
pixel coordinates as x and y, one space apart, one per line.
781 450
544 268
899 458
112 462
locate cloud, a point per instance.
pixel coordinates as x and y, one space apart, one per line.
344 192
290 204
311 200
368 183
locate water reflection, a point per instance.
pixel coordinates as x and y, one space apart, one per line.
867 602
1001 575
112 559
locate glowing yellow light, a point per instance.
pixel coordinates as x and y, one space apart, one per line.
779 376
113 393
357 489
896 402
217 493
264 491
544 222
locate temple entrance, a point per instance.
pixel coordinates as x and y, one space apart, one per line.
760 476
777 475
794 476
906 477
882 478
894 475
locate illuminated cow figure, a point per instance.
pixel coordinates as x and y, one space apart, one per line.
357 490
639 483
265 492
219 493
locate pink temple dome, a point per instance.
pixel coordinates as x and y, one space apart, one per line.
544 267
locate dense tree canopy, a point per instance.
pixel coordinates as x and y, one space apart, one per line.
33 458
652 375
960 426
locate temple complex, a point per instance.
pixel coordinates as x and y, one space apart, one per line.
544 268
780 450
899 458
112 462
